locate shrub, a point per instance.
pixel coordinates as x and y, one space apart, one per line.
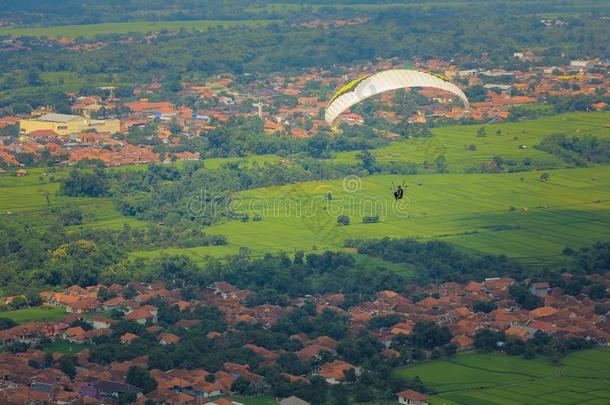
343 220
370 220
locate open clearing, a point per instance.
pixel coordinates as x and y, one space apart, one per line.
488 379
472 211
92 30
34 314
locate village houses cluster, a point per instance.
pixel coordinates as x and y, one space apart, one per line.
560 315
90 131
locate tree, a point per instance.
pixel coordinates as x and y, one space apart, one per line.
85 184
487 340
66 364
597 291
524 298
574 286
428 335
174 128
241 386
368 161
6 323
317 146
350 375
339 395
514 346
140 377
71 215
449 350
130 292
343 220
476 93
484 306
441 164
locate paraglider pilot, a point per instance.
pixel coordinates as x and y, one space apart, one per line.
398 194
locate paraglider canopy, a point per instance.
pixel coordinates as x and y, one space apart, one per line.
373 84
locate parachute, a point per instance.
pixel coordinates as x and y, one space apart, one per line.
373 84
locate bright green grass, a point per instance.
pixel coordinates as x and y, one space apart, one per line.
215 163
451 141
375 262
33 195
470 210
259 400
198 254
210 163
92 30
53 175
472 378
30 201
34 314
64 347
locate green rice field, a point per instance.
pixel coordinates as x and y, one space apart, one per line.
513 214
490 379
510 140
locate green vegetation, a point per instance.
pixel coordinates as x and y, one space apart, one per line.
284 44
259 400
505 213
510 141
34 314
64 347
311 217
89 31
473 379
469 210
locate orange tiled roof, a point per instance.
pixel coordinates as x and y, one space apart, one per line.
542 312
335 370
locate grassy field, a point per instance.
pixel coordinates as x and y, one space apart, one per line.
260 400
215 163
510 213
487 379
34 314
471 210
36 193
508 143
92 30
33 201
64 347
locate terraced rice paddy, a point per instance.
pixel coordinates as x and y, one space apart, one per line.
33 195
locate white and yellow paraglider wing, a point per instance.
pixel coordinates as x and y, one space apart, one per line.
348 87
368 86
